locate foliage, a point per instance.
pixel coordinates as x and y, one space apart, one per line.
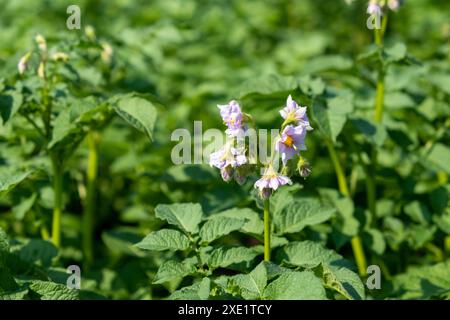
85 148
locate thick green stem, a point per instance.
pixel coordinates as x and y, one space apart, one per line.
44 233
58 170
338 169
91 194
360 258
379 107
371 187
267 230
357 247
379 99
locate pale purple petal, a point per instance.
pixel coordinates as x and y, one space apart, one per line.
283 180
226 173
262 183
290 103
273 183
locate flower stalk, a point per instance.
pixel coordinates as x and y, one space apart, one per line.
378 117
356 243
57 170
91 194
267 234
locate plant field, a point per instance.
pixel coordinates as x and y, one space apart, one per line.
225 150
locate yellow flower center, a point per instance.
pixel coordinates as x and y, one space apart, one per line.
289 141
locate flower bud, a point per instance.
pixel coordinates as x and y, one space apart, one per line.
42 44
23 63
60 56
303 167
227 173
265 193
394 5
240 174
89 31
41 70
106 52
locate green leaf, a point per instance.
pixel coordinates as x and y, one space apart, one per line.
165 239
423 282
71 125
219 226
267 85
418 212
4 247
308 254
10 103
374 132
223 257
443 221
122 242
170 270
138 112
441 81
63 126
396 53
312 87
398 100
4 243
327 62
280 200
300 214
186 216
331 117
253 224
347 224
296 286
36 251
344 281
24 206
439 156
52 291
7 282
251 286
17 294
375 240
9 179
197 291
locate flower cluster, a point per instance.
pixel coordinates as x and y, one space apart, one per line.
234 119
233 161
289 144
376 7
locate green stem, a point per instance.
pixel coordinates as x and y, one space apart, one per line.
91 194
447 245
266 230
357 247
371 186
378 38
379 108
57 169
360 258
44 233
338 169
379 99
379 33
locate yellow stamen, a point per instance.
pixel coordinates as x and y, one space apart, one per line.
289 141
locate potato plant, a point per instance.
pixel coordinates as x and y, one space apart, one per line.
350 203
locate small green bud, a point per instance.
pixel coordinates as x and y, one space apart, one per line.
303 167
